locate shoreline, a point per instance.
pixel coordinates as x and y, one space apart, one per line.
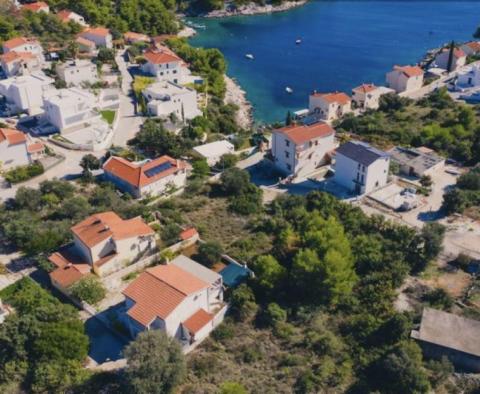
236 95
254 9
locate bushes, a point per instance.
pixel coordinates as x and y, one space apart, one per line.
465 195
88 289
245 198
209 253
23 173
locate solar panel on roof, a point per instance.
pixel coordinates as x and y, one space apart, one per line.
158 169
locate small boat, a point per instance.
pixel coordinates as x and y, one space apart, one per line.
249 56
289 90
298 42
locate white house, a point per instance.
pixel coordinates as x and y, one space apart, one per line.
329 106
300 149
24 44
361 168
104 243
76 72
38 6
86 46
66 16
131 37
182 298
25 93
13 149
471 48
469 76
99 35
405 78
213 151
68 108
164 65
459 59
165 98
152 177
19 63
367 96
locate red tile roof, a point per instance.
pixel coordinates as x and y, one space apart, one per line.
134 174
159 290
457 52
336 97
64 15
473 45
101 226
409 71
19 56
97 31
365 88
132 36
13 137
35 147
70 267
188 233
85 42
197 321
35 7
300 134
160 57
18 41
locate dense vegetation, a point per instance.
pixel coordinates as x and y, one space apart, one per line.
436 121
465 195
42 345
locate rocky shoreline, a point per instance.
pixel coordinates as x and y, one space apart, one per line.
254 9
236 95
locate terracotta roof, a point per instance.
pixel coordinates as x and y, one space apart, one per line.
70 267
365 88
300 134
160 57
13 137
17 41
97 31
132 36
135 174
35 7
336 97
197 321
101 226
64 15
14 55
68 275
457 52
35 147
188 233
409 71
473 45
159 290
85 42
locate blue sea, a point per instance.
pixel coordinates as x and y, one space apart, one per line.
344 43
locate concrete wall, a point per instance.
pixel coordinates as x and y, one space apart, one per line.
164 72
75 75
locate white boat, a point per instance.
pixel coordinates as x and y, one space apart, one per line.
289 90
298 41
249 56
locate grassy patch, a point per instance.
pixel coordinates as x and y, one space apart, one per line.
108 115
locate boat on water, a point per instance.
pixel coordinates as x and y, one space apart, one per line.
249 56
298 42
289 90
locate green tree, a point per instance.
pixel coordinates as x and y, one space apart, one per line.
200 168
155 363
274 314
242 302
209 253
90 162
268 272
288 120
234 181
88 289
232 388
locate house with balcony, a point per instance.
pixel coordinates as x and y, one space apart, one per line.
24 44
77 72
299 149
166 98
182 298
19 63
164 65
102 243
329 106
405 78
69 109
367 96
147 178
25 93
361 168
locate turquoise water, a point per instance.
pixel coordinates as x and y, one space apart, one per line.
344 43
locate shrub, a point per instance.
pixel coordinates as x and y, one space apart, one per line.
274 314
232 388
23 173
88 289
438 298
209 253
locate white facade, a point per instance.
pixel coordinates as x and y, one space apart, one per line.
329 106
360 168
77 72
25 93
13 155
23 63
22 44
165 98
171 71
213 151
299 150
67 16
368 96
469 77
99 35
68 108
459 59
405 79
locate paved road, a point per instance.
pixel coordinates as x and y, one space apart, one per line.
129 123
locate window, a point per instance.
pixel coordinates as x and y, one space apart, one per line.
362 179
358 167
316 142
376 184
310 144
289 167
287 143
287 154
